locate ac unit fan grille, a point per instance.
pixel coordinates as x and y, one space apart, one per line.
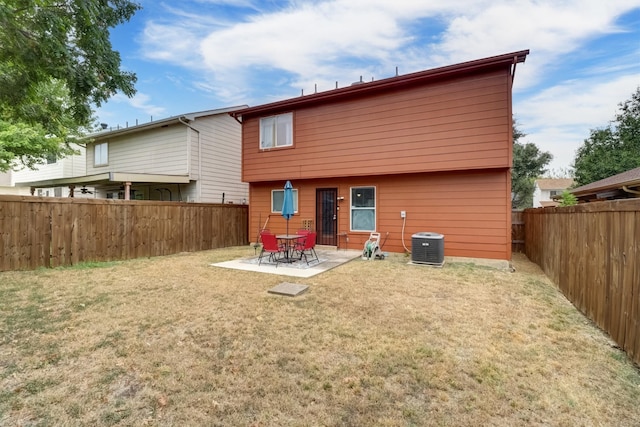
427 248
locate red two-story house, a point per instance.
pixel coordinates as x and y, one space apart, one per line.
428 151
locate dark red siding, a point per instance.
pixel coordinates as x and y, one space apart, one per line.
471 209
453 125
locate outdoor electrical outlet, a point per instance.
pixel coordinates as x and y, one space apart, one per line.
403 214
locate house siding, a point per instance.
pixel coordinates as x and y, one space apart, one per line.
221 159
44 171
6 178
157 151
67 167
469 208
75 165
458 124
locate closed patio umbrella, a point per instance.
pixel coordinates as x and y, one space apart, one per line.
287 203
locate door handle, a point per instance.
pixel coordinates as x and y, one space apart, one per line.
334 218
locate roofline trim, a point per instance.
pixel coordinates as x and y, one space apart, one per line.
615 186
507 59
105 177
162 122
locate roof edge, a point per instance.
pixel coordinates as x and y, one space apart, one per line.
163 122
387 83
613 186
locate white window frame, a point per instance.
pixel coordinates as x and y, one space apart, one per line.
353 208
101 154
271 131
278 209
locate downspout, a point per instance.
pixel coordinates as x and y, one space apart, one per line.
513 69
236 117
199 183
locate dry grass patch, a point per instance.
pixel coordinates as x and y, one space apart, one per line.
174 341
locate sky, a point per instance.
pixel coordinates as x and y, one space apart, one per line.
199 55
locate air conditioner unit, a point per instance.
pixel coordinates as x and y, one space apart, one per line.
427 248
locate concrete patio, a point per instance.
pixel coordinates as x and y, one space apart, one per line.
328 258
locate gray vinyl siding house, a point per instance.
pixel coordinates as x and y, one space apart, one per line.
193 157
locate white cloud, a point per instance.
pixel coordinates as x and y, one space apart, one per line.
141 103
325 41
560 118
174 44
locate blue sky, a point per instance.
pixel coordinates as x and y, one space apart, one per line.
205 54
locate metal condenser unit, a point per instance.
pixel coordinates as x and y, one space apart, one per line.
427 248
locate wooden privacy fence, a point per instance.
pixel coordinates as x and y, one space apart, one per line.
517 231
50 232
591 251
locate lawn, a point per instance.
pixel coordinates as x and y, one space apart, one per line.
174 341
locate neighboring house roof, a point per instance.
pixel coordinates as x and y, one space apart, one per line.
554 183
621 184
392 83
181 118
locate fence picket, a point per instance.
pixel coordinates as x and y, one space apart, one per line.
591 253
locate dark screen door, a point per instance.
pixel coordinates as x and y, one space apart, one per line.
326 215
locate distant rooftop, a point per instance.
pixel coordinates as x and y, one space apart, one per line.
628 178
554 183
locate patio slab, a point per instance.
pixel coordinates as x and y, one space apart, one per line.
288 289
329 258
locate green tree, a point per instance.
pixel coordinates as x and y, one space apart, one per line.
568 199
56 61
528 164
611 150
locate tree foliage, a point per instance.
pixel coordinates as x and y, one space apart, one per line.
611 150
568 199
56 61
528 164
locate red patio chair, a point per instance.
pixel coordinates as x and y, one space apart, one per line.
299 244
270 245
307 247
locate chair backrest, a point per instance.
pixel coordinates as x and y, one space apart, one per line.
303 232
269 241
264 231
310 241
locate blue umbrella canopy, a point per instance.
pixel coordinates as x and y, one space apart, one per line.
287 203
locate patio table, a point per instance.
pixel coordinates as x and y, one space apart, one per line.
289 242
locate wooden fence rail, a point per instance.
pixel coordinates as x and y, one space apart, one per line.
592 252
50 232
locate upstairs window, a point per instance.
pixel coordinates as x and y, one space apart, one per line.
101 154
276 131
